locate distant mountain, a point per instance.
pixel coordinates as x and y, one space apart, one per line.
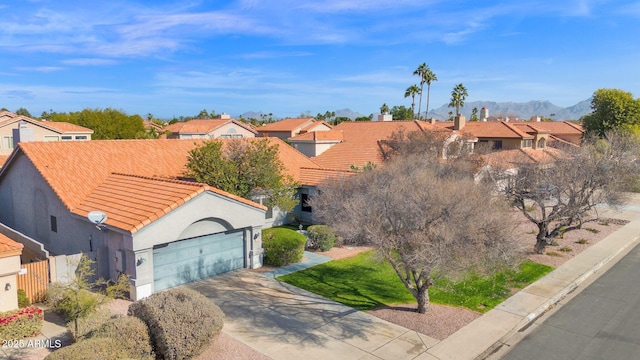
348 113
339 113
522 111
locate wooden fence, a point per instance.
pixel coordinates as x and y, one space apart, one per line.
35 281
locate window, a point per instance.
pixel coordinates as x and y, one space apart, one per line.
541 143
526 143
304 198
8 142
54 224
269 213
66 137
496 145
51 138
81 137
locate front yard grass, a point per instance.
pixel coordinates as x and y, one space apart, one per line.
364 283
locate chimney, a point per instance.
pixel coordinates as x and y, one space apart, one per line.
23 134
385 117
224 116
458 122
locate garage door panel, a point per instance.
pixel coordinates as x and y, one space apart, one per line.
198 258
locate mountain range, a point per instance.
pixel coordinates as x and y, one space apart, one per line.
521 110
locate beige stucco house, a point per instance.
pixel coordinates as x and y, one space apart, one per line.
284 129
16 128
222 128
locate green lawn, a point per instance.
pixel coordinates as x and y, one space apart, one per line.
363 283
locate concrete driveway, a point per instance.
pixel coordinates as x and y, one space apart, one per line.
284 322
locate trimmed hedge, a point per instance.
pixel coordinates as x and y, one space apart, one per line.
321 237
282 246
130 333
181 322
21 323
93 349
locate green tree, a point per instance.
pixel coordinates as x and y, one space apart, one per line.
81 296
401 113
106 123
250 169
458 95
613 109
24 112
384 109
412 91
474 114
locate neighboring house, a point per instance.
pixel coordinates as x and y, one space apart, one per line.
564 132
16 128
160 230
10 252
315 143
497 135
284 129
354 144
223 128
310 179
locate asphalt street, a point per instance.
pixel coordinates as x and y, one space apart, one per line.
601 322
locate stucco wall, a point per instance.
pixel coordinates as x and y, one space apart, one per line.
9 267
224 130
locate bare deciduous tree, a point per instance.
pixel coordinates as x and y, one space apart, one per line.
422 217
562 196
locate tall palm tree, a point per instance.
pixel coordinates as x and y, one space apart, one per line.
384 109
428 77
420 71
458 95
412 91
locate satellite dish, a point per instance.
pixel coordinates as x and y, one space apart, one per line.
97 217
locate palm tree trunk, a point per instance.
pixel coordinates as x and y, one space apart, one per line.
426 115
420 103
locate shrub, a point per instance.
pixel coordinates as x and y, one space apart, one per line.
583 241
181 322
21 323
93 349
566 249
282 246
23 299
554 253
129 332
595 231
90 323
322 237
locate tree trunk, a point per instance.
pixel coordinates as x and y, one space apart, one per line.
423 296
541 239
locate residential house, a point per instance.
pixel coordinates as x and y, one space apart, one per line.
124 204
222 128
354 144
16 128
284 129
560 132
10 252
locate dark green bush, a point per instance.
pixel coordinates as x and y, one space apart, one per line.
23 299
282 246
130 333
321 237
93 349
181 322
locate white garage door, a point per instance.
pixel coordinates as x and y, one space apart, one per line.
198 258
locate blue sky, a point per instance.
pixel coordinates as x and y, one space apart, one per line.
173 58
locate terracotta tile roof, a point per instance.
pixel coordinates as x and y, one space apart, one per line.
331 135
3 159
315 176
66 127
554 127
362 142
58 127
132 202
75 169
9 247
489 129
507 159
287 125
203 126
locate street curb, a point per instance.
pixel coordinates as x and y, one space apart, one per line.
541 310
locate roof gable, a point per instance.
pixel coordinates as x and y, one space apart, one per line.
287 125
